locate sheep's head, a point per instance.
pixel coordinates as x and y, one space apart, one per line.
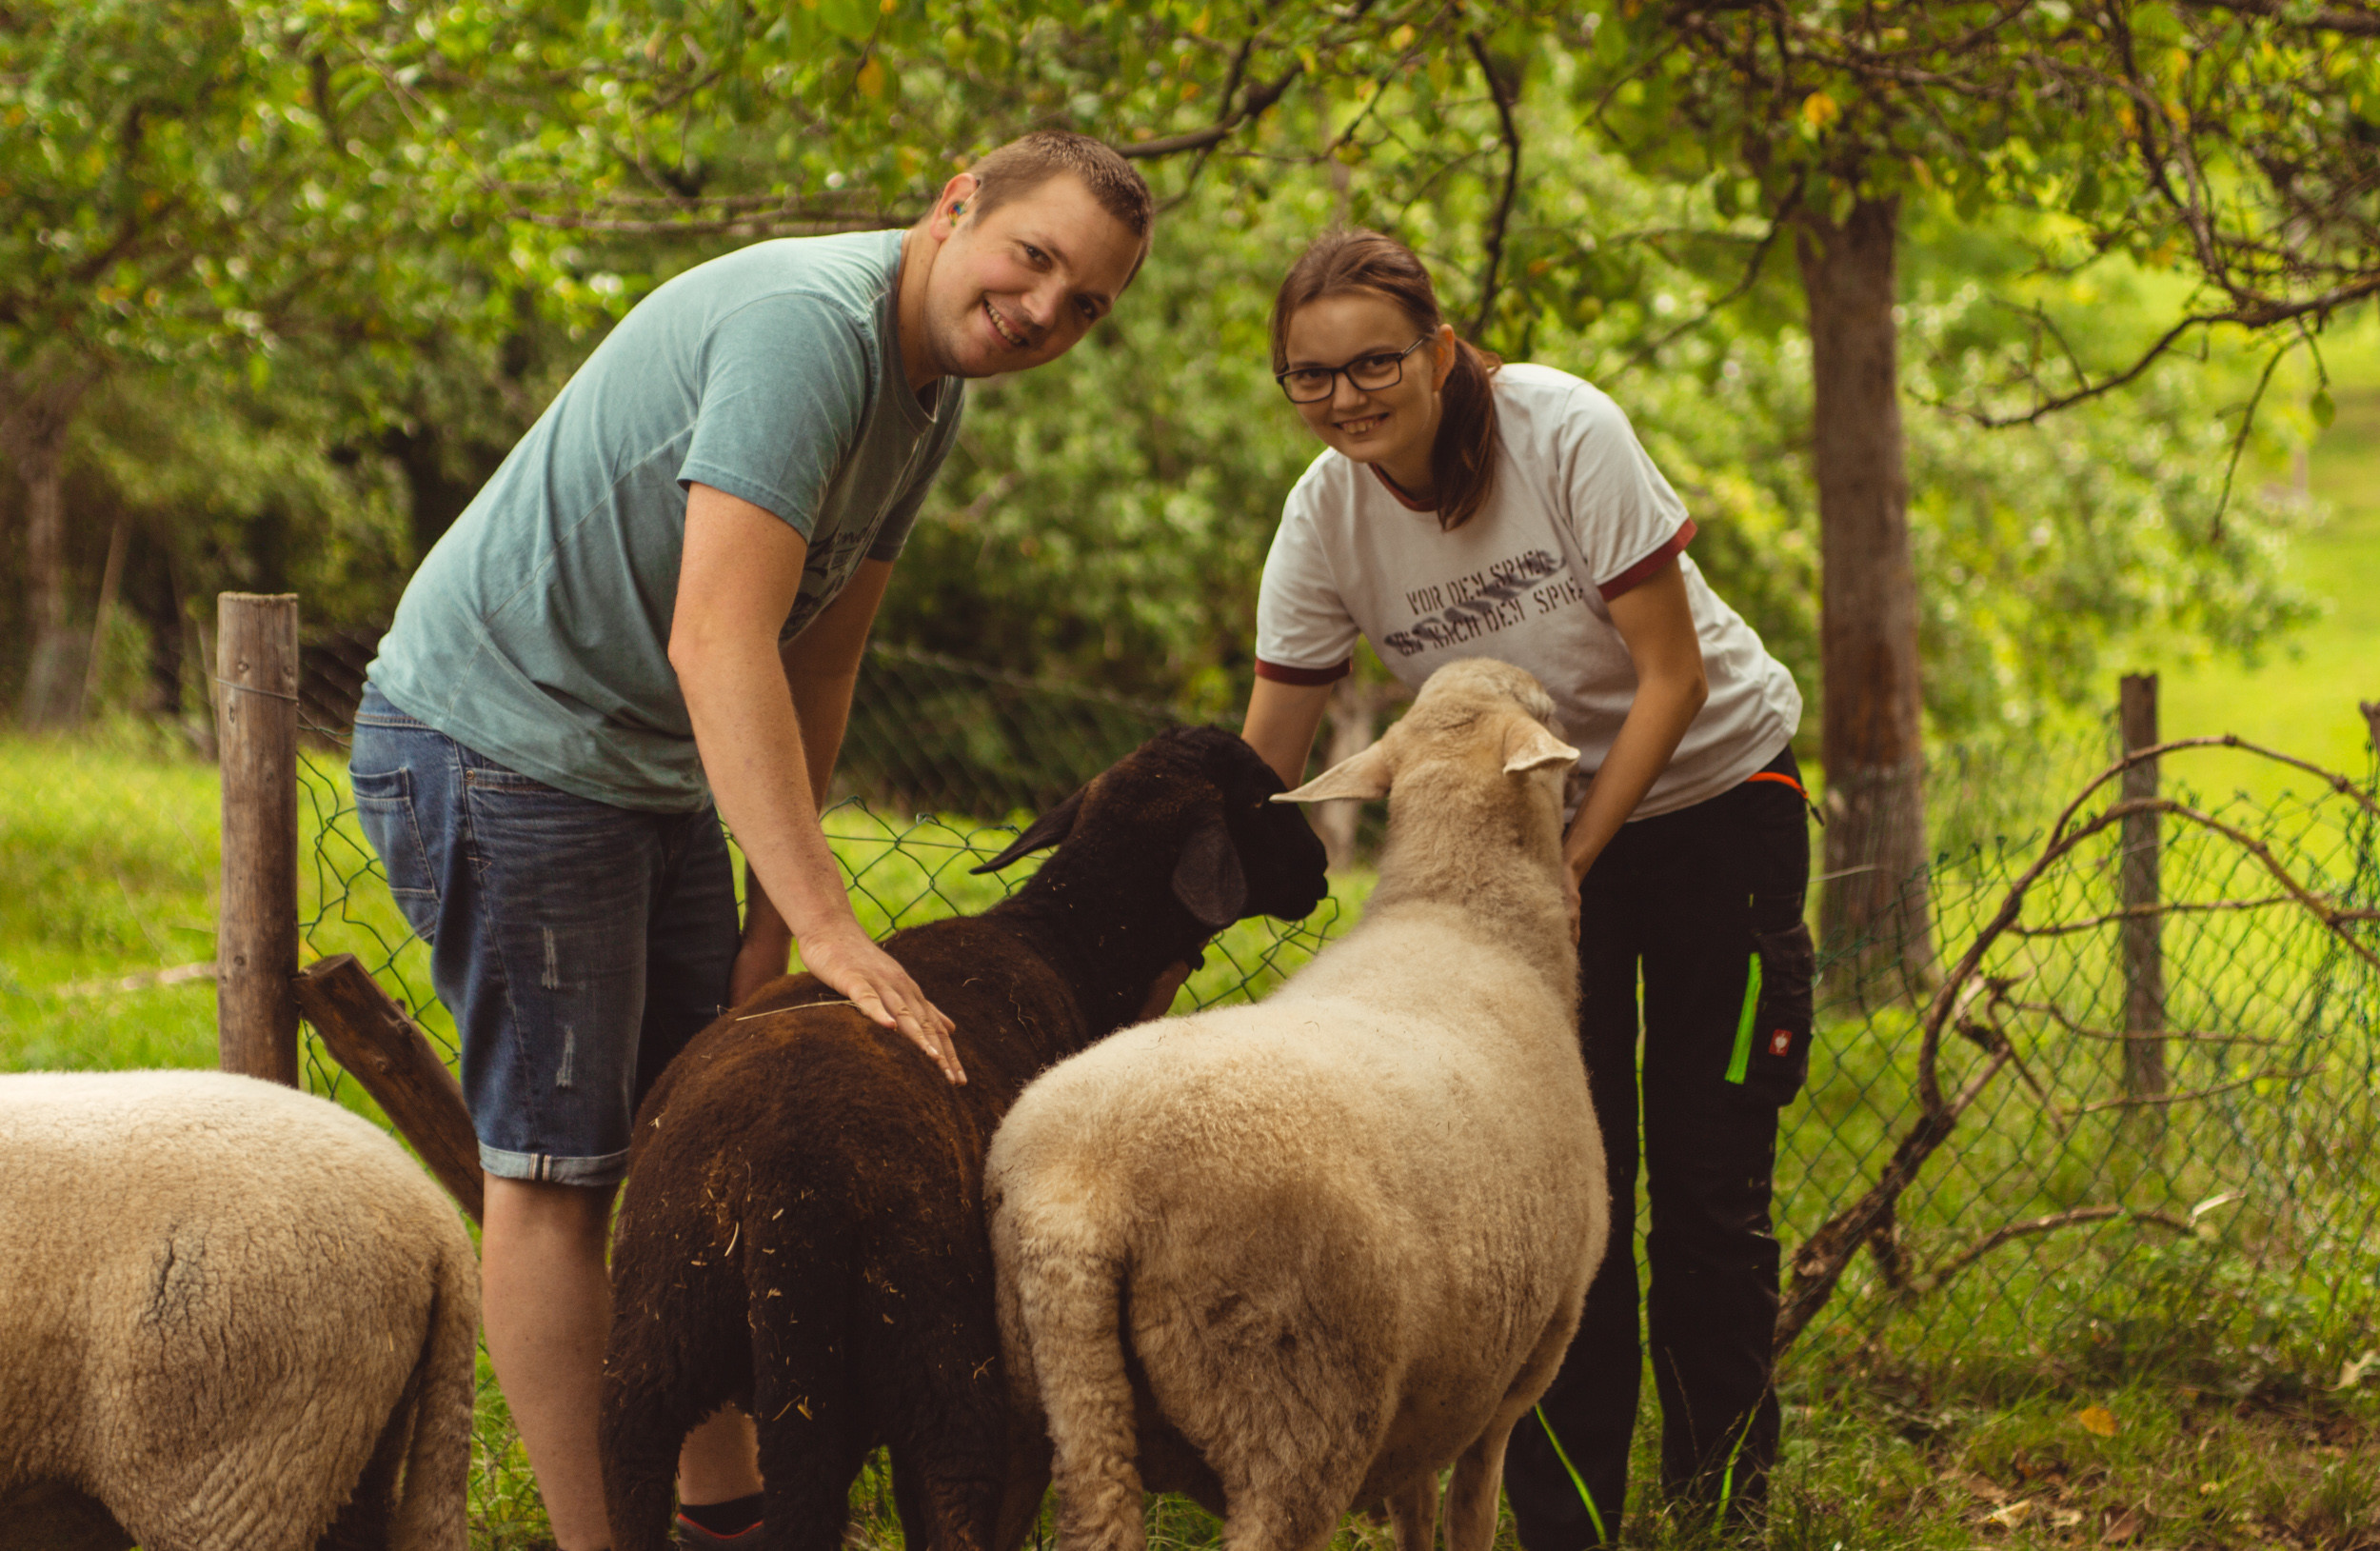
1468 713
1198 799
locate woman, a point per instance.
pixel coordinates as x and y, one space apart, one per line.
1468 508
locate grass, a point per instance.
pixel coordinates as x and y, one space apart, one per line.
2304 699
2230 1371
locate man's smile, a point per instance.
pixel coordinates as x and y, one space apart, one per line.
1000 325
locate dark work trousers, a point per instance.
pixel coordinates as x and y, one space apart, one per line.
1689 900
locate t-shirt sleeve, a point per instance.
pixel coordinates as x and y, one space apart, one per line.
784 393
1304 632
1628 521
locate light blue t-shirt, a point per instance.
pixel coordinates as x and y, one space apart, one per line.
537 629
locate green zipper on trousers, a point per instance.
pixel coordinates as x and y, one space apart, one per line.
1741 1062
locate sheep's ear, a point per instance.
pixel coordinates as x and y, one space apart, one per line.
1366 775
1049 829
1208 880
1528 746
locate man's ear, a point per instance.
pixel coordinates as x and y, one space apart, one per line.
1366 775
1528 746
960 189
1208 880
1049 829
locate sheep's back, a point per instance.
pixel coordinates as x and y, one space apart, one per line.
207 1253
1337 1142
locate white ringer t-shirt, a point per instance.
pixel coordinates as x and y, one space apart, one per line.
1578 515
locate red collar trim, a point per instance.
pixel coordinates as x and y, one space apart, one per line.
1397 490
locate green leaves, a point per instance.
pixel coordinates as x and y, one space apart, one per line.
852 19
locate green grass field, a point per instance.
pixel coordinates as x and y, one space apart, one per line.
2303 699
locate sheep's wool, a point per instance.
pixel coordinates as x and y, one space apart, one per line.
233 1311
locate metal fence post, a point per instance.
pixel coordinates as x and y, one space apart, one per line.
2143 925
256 943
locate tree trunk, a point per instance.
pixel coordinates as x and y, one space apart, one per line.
36 412
1873 913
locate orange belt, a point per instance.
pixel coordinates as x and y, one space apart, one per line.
1781 779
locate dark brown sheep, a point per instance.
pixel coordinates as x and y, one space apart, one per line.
803 1228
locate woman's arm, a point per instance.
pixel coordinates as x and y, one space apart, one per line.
1657 621
1280 724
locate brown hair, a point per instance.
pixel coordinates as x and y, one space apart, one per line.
1026 163
1462 460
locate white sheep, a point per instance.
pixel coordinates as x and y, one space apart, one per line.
230 1314
1300 1256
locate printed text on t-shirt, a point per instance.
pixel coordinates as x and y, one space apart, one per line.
1477 602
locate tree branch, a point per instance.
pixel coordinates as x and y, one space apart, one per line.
1493 240
1258 101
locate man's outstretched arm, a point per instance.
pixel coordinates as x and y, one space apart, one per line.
822 669
737 580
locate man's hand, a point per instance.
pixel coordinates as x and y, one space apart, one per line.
850 963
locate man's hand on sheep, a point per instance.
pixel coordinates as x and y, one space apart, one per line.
850 961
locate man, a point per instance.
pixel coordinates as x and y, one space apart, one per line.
660 601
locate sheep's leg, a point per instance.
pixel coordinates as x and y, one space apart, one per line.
1414 1513
675 1357
1479 1483
1295 1508
812 1441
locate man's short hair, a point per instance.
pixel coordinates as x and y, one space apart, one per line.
1028 162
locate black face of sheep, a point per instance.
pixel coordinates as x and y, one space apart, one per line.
801 1231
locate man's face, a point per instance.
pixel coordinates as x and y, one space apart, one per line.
1018 286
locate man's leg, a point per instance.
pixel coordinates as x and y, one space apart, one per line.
1566 1468
547 1299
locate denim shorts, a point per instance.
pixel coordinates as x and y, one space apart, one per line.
579 945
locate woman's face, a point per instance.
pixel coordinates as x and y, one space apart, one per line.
1395 425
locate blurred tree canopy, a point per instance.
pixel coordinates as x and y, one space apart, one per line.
309 266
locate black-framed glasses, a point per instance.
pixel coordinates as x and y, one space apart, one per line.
1384 368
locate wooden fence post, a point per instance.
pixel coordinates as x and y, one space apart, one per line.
2143 925
257 943
384 1051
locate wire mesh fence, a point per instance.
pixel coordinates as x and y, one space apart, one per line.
2115 1120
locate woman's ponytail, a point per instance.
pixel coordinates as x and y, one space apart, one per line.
1462 459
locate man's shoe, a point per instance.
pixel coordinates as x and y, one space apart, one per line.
689 1536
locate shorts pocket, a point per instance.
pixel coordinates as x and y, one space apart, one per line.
384 803
1771 1054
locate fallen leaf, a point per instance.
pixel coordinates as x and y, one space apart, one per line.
1987 1490
2097 1420
2124 1528
2353 1371
2009 1516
